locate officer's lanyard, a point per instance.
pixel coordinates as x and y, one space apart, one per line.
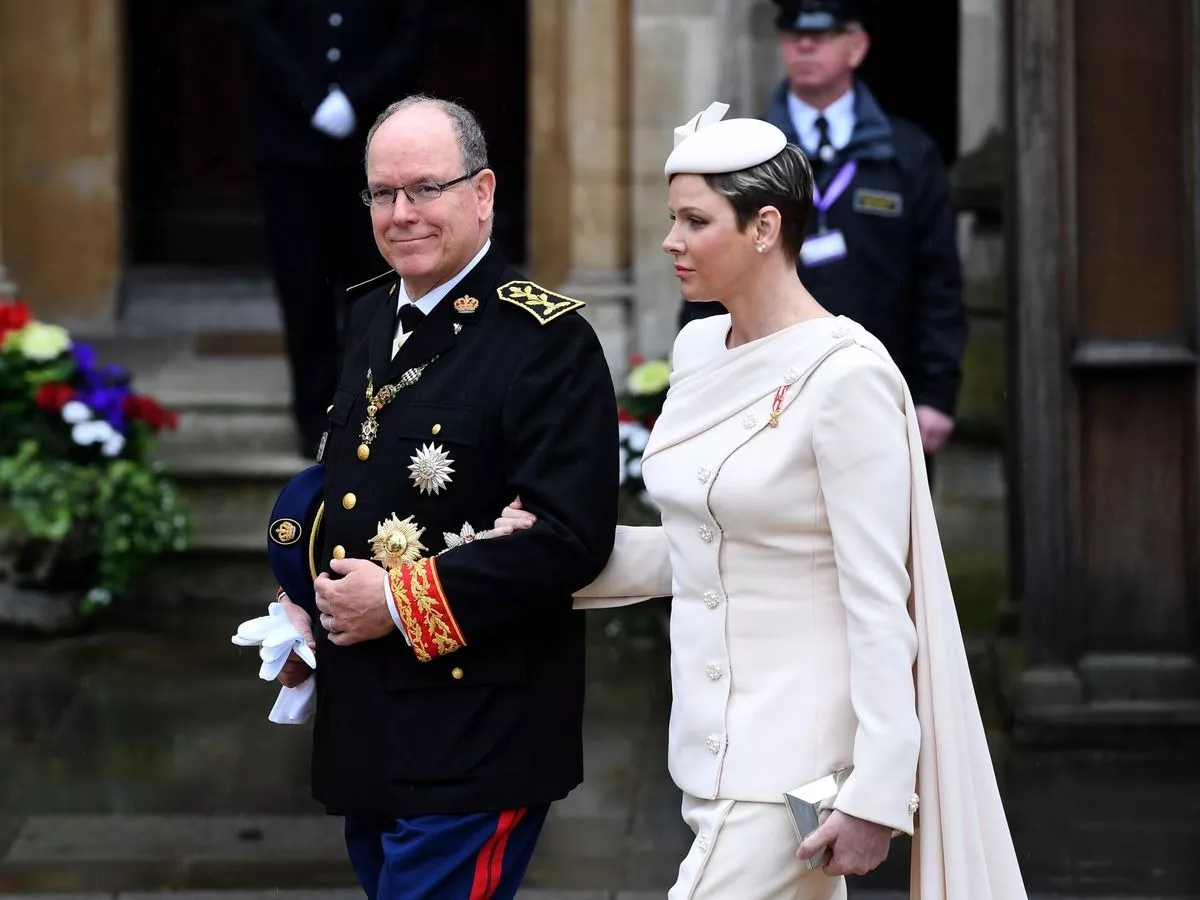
823 200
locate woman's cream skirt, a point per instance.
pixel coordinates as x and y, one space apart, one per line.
746 851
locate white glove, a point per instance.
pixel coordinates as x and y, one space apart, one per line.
335 116
276 637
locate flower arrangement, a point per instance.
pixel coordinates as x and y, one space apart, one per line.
81 504
638 408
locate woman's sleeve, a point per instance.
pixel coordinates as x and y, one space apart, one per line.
639 569
861 441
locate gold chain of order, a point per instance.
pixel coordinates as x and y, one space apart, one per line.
377 400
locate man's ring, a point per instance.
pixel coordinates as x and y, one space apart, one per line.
327 622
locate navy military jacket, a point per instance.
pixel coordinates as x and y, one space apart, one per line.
900 277
515 398
371 49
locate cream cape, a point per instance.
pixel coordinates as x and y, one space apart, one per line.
962 849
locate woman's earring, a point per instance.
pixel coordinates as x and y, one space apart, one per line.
761 248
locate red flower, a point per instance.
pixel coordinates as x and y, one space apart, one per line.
12 316
148 410
636 360
53 397
624 415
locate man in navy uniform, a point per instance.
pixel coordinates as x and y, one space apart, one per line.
325 69
451 667
881 245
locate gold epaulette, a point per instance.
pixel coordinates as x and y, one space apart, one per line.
544 305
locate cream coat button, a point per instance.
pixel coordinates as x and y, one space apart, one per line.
702 843
349 501
713 744
791 376
706 534
749 420
703 474
714 671
712 599
840 330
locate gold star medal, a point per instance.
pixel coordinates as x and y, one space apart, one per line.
431 469
397 542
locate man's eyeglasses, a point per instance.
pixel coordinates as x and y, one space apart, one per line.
423 192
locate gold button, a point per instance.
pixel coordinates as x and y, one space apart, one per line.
364 452
456 673
339 552
329 409
437 429
349 500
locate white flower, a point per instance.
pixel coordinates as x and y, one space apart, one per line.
635 468
40 342
74 412
113 444
638 437
623 463
95 431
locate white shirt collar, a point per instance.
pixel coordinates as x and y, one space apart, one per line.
839 114
430 300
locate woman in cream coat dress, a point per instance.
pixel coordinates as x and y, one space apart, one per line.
812 625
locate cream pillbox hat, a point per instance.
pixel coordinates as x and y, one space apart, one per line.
708 145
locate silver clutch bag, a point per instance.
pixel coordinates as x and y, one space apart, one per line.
807 803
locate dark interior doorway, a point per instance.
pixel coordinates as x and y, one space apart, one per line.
913 65
193 194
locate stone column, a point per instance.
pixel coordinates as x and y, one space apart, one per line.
8 288
579 160
60 178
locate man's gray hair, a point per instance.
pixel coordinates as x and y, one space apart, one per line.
471 143
784 181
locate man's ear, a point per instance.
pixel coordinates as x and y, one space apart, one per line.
860 46
485 192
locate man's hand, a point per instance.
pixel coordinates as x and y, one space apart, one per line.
853 846
296 671
353 607
513 518
935 428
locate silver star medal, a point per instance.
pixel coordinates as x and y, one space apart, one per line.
466 535
431 469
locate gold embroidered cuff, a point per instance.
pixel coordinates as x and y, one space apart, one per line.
421 605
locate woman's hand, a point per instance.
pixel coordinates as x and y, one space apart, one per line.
852 846
514 517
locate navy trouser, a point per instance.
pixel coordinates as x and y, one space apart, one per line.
482 856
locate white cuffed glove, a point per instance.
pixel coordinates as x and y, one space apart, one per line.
276 637
335 116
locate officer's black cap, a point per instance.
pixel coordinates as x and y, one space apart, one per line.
817 15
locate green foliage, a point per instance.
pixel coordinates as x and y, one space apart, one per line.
110 517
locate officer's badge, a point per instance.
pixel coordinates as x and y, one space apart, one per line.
544 305
285 531
397 542
878 203
466 304
431 469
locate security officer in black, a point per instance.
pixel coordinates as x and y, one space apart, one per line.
450 667
881 246
325 68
